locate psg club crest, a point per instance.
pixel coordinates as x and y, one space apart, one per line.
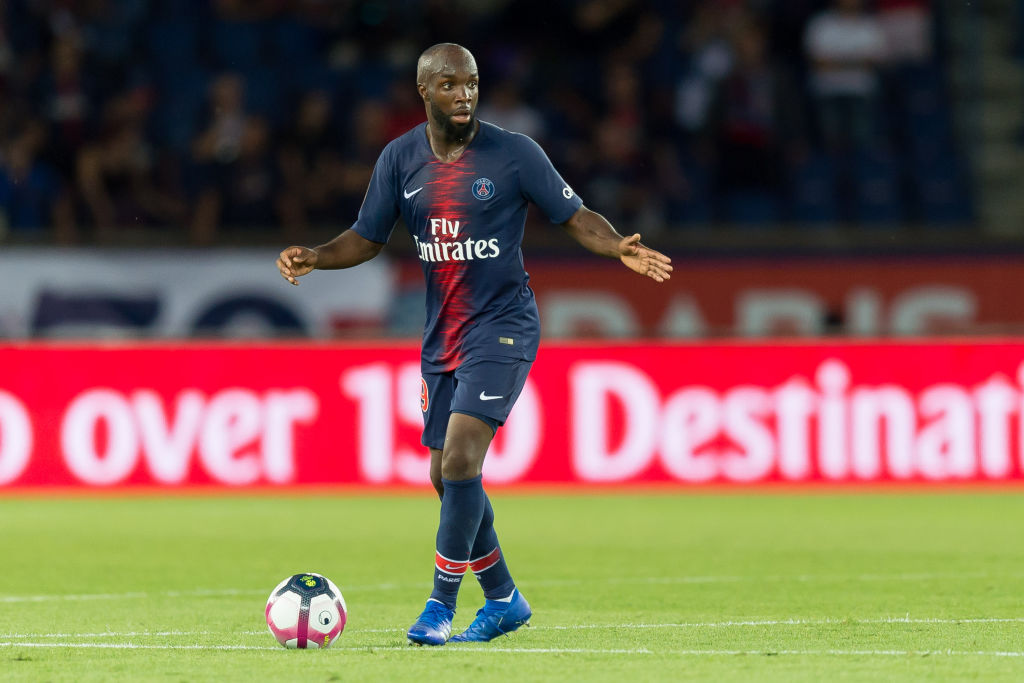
483 189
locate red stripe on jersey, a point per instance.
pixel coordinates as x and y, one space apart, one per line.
485 562
449 566
449 184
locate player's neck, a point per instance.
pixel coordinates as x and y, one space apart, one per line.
448 149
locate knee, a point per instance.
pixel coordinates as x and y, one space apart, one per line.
459 465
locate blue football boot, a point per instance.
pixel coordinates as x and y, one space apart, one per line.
496 618
434 626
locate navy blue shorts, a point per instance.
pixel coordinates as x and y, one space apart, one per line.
485 388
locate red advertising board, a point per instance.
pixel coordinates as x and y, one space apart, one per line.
686 415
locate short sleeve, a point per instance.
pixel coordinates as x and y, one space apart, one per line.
542 185
379 212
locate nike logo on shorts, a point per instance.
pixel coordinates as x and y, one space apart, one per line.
409 194
485 397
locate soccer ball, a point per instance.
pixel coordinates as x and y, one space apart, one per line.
306 611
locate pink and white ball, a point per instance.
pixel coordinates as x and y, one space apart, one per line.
306 611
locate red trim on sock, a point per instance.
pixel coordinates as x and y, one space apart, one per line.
449 566
485 562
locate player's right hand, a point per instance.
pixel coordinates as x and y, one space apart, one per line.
295 262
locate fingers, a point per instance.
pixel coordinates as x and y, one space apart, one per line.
293 255
659 257
284 266
655 265
286 272
292 263
659 273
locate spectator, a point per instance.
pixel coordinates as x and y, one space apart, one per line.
221 139
311 167
505 107
7 55
369 125
621 183
907 25
32 198
404 111
755 117
235 174
846 47
705 42
115 174
242 193
66 103
663 88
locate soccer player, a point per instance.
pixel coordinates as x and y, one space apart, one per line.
463 187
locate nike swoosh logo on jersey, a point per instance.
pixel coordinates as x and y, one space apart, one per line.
409 194
450 567
485 397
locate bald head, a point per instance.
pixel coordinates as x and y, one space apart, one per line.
441 58
448 82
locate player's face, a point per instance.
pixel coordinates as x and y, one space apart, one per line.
451 96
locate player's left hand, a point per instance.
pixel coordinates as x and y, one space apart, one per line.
644 260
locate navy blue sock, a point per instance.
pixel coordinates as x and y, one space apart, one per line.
462 508
487 560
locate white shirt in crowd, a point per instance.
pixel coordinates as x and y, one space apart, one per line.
853 44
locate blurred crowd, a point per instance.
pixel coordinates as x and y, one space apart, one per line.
198 120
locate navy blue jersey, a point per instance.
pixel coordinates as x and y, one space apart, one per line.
466 219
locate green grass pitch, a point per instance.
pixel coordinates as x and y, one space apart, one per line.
662 586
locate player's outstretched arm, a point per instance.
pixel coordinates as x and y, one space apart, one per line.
595 233
344 251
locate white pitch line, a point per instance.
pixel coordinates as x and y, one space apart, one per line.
553 650
790 622
852 653
770 578
117 634
577 627
194 593
135 646
81 596
655 580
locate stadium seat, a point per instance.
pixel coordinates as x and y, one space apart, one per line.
177 9
877 190
813 195
373 80
922 88
176 114
929 134
296 44
942 192
172 46
262 92
694 207
237 45
751 208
